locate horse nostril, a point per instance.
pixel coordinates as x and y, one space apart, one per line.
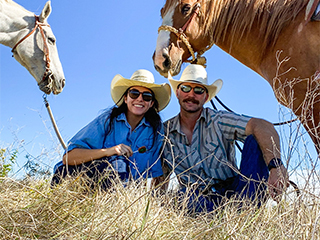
157 68
63 82
167 63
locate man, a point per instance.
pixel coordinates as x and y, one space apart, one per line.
200 148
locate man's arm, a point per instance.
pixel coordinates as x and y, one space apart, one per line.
269 142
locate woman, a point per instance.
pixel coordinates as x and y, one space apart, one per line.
124 139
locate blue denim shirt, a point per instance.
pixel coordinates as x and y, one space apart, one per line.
93 136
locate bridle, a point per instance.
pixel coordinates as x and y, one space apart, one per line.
39 25
180 33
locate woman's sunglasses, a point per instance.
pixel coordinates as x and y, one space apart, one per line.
197 90
146 96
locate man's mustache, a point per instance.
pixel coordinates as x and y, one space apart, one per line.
191 99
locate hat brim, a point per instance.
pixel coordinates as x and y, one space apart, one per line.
213 89
119 85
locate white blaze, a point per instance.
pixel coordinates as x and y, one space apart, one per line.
163 38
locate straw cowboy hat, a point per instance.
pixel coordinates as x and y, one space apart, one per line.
143 78
194 73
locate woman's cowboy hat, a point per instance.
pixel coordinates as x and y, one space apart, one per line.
143 78
194 73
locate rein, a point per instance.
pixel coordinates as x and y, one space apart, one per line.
39 25
229 110
180 33
54 122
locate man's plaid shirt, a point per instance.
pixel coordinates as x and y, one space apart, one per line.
210 157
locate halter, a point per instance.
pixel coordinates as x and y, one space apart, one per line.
181 35
39 25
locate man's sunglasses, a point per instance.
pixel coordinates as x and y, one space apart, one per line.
146 96
197 90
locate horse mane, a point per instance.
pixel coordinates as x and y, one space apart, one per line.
225 18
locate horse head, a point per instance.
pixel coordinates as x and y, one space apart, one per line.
180 35
37 52
277 39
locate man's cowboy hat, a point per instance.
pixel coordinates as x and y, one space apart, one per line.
194 73
143 78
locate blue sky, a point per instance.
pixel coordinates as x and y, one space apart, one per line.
97 40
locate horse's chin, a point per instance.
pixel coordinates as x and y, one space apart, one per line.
175 69
46 83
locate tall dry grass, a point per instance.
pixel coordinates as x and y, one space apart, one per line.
32 210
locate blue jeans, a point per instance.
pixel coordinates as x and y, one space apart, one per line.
94 171
249 184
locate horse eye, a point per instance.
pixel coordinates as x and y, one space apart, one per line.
185 9
51 40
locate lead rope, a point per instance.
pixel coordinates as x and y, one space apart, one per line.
294 185
53 122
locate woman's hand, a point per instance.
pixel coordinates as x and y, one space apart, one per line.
123 149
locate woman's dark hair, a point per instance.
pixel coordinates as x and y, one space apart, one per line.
151 116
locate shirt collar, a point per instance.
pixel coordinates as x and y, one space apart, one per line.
175 122
122 117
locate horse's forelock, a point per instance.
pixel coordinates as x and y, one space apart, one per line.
168 5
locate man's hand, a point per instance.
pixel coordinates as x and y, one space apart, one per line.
278 182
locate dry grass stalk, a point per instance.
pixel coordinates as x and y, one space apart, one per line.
32 210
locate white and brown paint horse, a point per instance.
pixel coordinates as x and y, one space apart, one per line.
32 43
278 39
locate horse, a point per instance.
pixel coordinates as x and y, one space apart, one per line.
33 44
278 39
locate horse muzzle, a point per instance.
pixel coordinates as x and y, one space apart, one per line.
50 84
164 65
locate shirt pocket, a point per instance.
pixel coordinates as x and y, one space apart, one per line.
210 145
144 142
182 156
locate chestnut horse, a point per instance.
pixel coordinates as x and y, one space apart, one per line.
32 43
278 39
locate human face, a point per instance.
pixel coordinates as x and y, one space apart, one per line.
190 101
138 106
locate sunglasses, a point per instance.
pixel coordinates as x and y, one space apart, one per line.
197 90
146 96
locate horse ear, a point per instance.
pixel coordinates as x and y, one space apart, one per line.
45 12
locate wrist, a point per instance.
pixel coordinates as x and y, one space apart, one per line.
108 152
274 163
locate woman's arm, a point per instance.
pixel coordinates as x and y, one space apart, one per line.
81 155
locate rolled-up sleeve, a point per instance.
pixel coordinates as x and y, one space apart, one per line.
92 136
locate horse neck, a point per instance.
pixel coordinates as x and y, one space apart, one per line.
15 20
248 51
249 32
